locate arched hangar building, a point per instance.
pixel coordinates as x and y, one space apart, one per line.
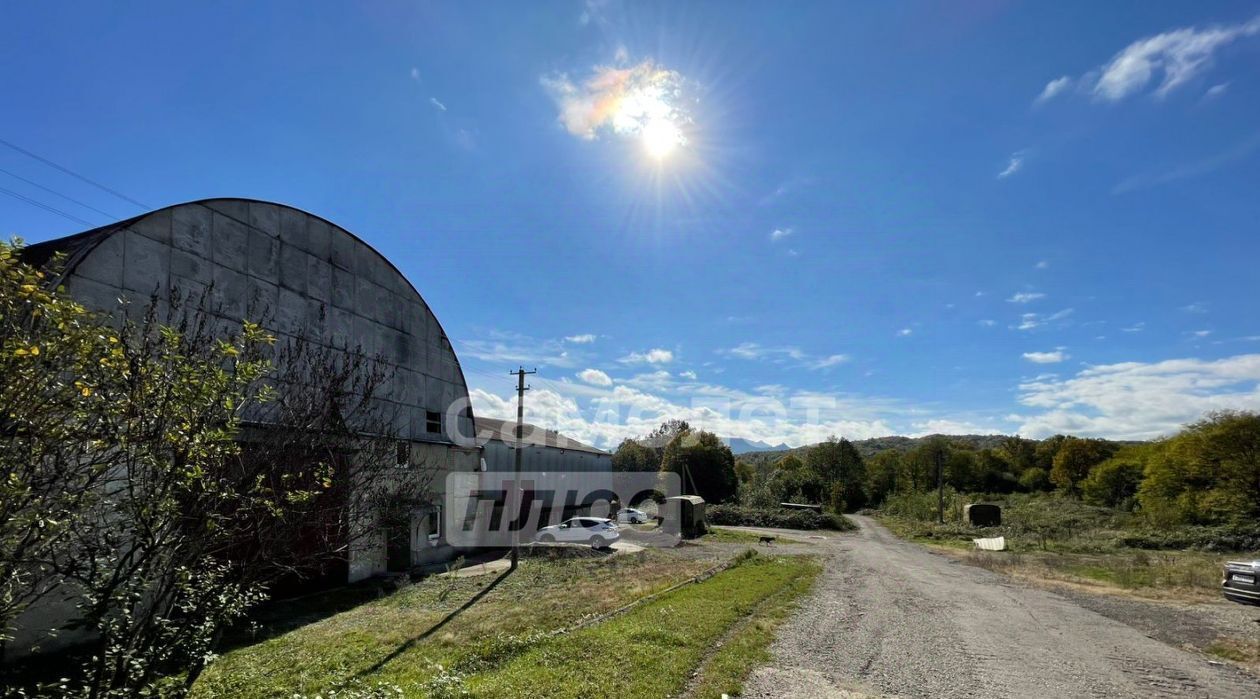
321 282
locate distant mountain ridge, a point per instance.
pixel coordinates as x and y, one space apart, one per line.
740 445
870 447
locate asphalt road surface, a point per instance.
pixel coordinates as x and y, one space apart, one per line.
889 618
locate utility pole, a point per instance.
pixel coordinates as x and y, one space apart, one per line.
521 388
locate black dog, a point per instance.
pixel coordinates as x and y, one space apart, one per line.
767 540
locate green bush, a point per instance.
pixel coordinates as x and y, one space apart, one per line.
736 516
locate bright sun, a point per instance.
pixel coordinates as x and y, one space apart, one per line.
661 136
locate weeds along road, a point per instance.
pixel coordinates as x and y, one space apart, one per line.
889 618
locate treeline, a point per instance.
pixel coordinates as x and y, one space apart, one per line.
1209 473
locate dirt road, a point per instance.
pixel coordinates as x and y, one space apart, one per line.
889 618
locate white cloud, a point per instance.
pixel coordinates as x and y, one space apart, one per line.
622 101
1031 321
1026 297
1054 88
779 234
689 374
789 355
905 332
1135 328
500 347
595 377
828 361
1196 307
584 339
415 74
1201 333
1046 357
436 103
1012 166
1042 264
1235 153
987 322
1216 91
1172 59
652 356
1139 400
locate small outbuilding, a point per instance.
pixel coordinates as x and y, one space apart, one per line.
685 513
982 515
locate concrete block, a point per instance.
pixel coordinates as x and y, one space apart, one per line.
418 361
291 312
187 267
319 235
343 250
263 300
235 208
146 268
264 256
293 268
366 337
230 292
433 360
316 317
155 226
292 225
319 278
264 217
190 229
230 243
95 295
343 288
105 263
340 327
368 263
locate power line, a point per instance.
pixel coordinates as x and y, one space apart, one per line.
44 206
74 174
63 196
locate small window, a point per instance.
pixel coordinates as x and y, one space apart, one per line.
432 422
435 524
402 457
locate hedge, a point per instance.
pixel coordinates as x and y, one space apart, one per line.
736 516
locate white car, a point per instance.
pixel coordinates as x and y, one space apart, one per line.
582 530
630 515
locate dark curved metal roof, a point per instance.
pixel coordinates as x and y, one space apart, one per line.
77 246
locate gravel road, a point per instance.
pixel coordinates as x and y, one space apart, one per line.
889 618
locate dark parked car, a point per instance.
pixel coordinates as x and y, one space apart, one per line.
1242 582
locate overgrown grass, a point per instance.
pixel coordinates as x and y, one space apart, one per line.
737 516
652 650
1057 538
503 646
725 671
1237 650
345 649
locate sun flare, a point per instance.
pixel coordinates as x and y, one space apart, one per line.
661 137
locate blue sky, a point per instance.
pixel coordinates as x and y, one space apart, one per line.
872 218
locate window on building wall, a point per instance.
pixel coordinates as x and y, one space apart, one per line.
435 523
433 422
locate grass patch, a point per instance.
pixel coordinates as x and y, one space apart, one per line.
1091 551
1235 649
346 649
749 646
651 650
718 535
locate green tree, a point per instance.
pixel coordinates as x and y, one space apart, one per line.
1207 474
705 465
882 471
1115 482
791 462
1019 454
1074 459
634 456
1035 480
837 462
